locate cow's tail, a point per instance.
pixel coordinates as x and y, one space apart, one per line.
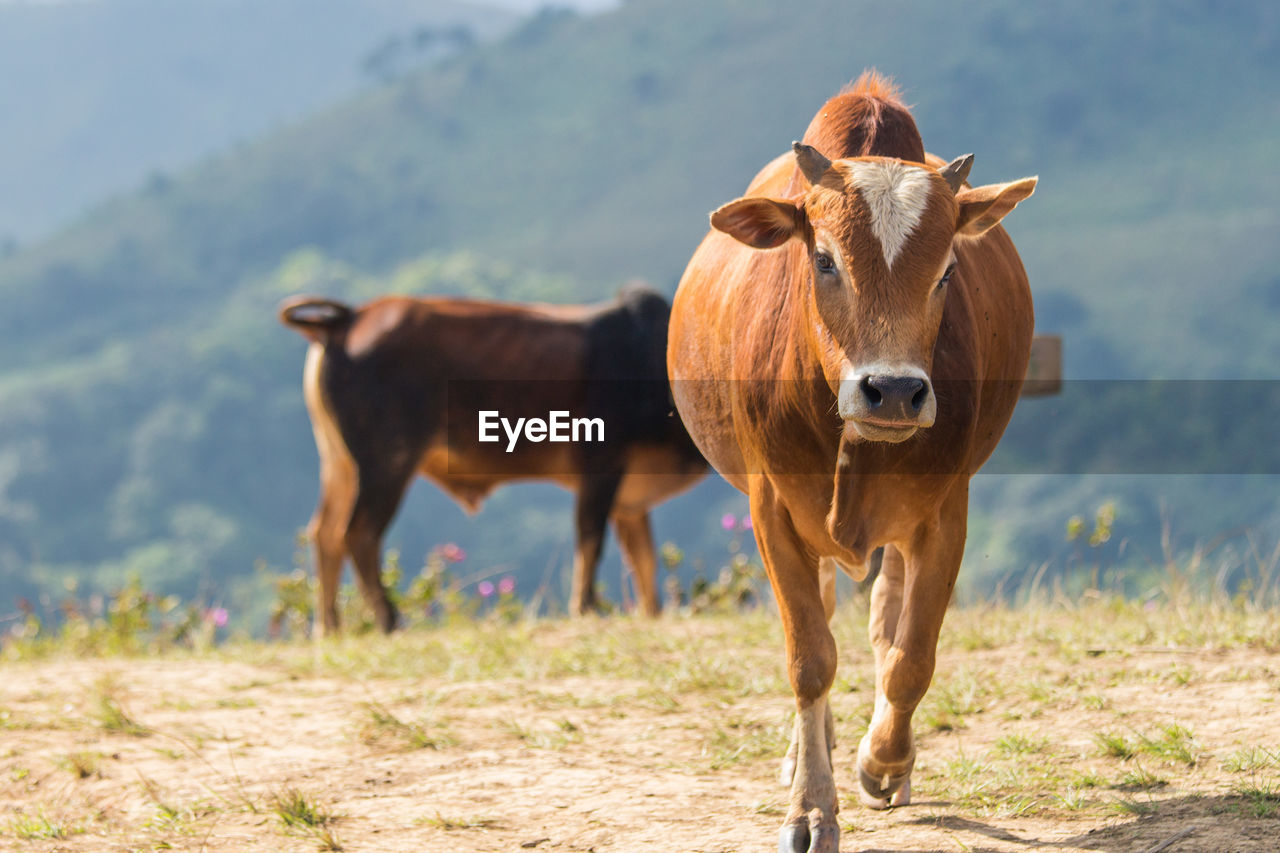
315 318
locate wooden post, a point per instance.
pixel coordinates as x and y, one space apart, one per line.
1044 371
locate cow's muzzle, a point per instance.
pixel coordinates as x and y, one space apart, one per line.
884 404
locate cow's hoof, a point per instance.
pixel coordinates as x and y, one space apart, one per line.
900 797
802 837
389 619
879 786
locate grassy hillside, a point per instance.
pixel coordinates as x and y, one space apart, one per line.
149 416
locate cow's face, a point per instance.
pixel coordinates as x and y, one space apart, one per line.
879 234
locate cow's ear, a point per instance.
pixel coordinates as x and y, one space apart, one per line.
983 207
761 223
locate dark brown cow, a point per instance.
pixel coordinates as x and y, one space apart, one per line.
396 387
846 347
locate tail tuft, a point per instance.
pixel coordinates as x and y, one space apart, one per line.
315 318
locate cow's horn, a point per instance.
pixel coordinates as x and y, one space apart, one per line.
956 171
811 162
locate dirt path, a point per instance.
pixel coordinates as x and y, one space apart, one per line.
207 754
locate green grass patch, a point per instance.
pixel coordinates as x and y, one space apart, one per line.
1174 743
298 811
1020 744
1140 779
82 764
557 736
1073 799
1251 759
1115 745
1128 807
381 727
739 740
39 826
952 699
1260 800
110 714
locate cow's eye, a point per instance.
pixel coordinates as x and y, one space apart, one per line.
946 276
824 262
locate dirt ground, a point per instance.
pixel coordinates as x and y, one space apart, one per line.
205 753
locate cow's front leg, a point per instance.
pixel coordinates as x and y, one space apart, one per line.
827 569
810 825
908 602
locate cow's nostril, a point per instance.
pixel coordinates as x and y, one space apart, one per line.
917 399
872 393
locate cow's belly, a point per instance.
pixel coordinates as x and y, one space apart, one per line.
468 475
704 408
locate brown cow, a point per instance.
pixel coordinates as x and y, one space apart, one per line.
398 386
846 347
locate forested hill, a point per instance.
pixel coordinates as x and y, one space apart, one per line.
149 411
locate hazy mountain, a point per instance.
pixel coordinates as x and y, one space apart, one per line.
149 412
103 93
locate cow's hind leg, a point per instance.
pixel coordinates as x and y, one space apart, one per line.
907 609
595 503
827 569
636 541
328 527
328 543
375 506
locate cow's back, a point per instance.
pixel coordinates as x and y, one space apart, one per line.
628 372
626 366
406 379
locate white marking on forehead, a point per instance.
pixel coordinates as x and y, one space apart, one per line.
897 195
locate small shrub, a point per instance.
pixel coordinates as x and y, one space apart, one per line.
129 620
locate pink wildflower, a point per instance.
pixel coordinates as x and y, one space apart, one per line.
728 521
746 522
217 615
485 588
451 553
507 585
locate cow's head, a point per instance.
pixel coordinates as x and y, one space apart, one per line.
879 234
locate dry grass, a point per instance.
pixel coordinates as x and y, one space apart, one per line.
1044 723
